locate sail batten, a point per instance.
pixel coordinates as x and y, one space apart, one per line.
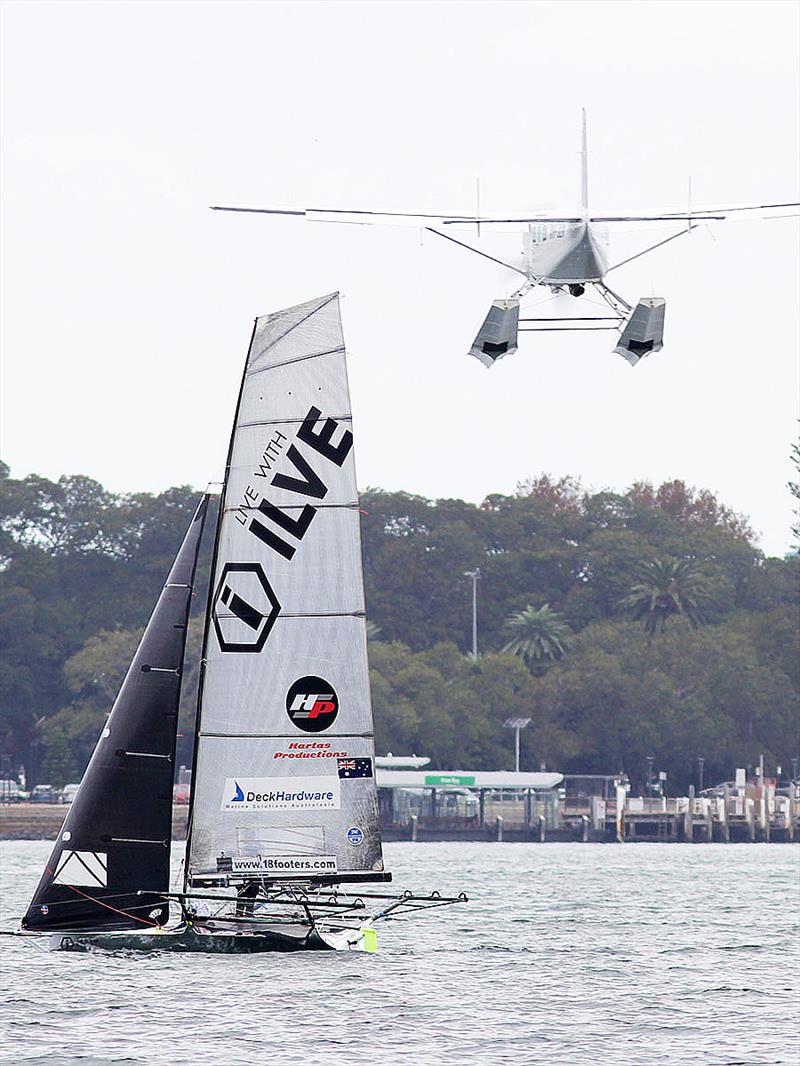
282 736
296 359
278 789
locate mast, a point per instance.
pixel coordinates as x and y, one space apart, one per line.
116 838
283 780
584 169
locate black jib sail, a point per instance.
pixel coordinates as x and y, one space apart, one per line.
115 840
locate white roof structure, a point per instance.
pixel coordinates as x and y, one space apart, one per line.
477 779
401 762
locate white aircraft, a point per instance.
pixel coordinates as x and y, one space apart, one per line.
565 253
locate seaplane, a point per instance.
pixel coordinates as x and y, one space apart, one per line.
562 253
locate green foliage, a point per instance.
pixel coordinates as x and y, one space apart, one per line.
441 704
76 560
82 568
664 588
93 676
60 766
712 692
539 636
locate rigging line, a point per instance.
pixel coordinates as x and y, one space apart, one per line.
546 299
178 873
286 333
99 902
595 303
469 248
652 247
114 895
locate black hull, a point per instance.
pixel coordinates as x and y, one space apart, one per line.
187 940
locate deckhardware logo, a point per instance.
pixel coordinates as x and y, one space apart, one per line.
312 704
280 794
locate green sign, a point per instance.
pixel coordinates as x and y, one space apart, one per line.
449 779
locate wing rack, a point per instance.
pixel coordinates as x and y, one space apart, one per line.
315 902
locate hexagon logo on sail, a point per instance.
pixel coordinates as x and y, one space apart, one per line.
245 608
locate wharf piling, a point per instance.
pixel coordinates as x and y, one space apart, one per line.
525 815
505 815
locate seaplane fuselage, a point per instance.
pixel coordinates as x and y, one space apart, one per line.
565 253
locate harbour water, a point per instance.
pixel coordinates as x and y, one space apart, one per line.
573 954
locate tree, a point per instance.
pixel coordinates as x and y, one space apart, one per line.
707 692
32 636
82 567
666 587
539 636
97 671
94 675
60 767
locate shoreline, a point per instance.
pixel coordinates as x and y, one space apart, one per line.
42 821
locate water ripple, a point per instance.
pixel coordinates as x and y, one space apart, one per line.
568 955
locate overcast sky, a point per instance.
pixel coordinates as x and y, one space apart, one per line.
128 305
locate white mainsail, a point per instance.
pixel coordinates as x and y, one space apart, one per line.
284 780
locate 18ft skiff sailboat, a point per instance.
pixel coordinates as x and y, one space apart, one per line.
284 805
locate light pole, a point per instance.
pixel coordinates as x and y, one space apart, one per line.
475 576
650 761
517 724
701 763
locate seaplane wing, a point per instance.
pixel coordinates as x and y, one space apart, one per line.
367 217
361 217
716 213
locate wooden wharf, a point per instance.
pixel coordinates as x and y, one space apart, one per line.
536 817
624 818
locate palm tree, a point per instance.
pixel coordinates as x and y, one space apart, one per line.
666 587
539 635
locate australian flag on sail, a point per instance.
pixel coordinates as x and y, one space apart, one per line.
355 767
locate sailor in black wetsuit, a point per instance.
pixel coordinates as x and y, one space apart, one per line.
246 899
